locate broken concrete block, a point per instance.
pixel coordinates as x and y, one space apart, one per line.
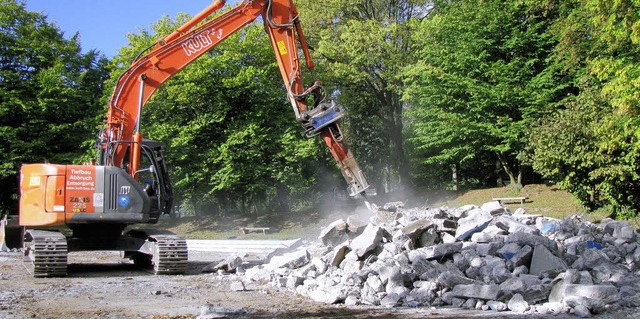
445 225
481 237
438 251
605 293
487 249
512 286
523 257
493 207
462 211
237 285
469 304
485 292
334 234
390 300
392 206
427 238
337 255
536 293
581 311
290 260
532 240
494 231
230 265
375 283
496 305
543 261
476 221
294 281
589 259
448 239
415 229
367 241
509 250
450 279
385 218
355 225
328 295
513 226
518 304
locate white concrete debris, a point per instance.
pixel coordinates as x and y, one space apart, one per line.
469 257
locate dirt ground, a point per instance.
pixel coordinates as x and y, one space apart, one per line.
102 285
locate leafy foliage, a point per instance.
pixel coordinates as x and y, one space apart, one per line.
362 46
592 146
479 82
49 95
486 89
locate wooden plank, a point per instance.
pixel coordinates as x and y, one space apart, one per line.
246 230
521 199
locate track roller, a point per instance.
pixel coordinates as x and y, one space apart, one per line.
45 253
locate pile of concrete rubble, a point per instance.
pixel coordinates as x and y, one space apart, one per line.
470 257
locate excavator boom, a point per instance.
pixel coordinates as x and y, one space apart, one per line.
121 138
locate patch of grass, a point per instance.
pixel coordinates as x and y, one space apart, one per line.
542 199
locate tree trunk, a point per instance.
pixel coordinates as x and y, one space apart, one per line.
398 158
454 176
513 179
282 193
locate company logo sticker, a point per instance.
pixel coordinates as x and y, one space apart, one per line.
123 200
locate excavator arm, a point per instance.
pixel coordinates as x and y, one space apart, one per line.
121 138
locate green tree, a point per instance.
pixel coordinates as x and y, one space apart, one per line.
49 95
362 46
232 139
598 46
480 82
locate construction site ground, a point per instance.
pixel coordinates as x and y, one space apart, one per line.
103 285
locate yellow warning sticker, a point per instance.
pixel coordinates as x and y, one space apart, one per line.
34 181
282 47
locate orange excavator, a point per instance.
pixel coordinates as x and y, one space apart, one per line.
130 184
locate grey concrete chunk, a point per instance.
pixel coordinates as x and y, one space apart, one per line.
451 279
237 285
427 238
334 234
439 251
494 208
367 241
415 229
518 304
496 305
476 221
605 293
390 300
513 226
328 295
544 261
581 311
290 260
485 292
337 255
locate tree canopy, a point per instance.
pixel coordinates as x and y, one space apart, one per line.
524 91
49 95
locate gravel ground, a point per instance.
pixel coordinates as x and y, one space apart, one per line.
102 285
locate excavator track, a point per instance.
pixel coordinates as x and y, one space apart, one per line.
45 253
170 254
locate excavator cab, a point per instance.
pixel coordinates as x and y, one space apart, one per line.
154 177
